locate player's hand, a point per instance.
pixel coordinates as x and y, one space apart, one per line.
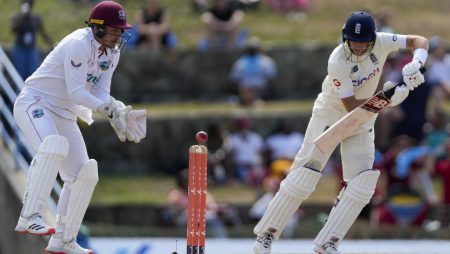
412 76
116 112
137 125
400 93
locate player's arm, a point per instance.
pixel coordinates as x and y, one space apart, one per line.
417 44
412 76
343 85
351 102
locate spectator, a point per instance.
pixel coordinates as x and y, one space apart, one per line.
439 72
177 205
295 9
284 142
409 117
397 200
200 5
383 19
219 148
443 170
253 73
246 148
154 27
25 25
223 25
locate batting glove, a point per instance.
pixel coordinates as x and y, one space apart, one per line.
412 76
400 93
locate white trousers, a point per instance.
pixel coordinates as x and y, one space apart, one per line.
37 121
357 151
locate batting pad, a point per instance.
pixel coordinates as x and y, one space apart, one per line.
42 173
80 193
297 186
357 194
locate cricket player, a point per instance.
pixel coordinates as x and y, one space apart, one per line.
73 81
354 70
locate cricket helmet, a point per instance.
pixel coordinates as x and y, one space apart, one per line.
360 27
108 13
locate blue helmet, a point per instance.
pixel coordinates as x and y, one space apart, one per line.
359 27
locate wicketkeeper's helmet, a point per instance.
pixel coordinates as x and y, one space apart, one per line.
108 13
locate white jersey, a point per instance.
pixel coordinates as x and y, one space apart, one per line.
346 77
75 63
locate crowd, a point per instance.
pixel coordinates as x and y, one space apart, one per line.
412 142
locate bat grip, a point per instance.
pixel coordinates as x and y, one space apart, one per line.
391 91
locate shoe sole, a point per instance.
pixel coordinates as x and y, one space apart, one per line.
51 231
58 252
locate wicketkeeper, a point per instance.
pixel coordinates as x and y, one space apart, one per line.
73 81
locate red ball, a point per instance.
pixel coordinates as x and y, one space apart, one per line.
201 137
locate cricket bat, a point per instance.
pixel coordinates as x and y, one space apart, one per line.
347 125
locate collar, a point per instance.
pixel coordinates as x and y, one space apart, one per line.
97 44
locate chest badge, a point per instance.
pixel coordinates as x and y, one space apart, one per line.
373 58
104 65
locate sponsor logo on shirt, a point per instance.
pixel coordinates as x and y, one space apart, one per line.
91 78
337 83
37 113
371 75
74 64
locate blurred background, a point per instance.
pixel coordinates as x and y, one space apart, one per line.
251 88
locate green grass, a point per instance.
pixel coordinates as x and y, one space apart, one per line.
154 189
323 22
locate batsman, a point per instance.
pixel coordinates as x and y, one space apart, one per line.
73 80
354 70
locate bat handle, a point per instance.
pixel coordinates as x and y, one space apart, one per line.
391 91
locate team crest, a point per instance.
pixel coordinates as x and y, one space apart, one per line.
355 69
37 113
104 65
122 15
373 58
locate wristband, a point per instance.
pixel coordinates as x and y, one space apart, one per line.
420 55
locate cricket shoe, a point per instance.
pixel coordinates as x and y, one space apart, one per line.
263 243
57 246
327 248
34 225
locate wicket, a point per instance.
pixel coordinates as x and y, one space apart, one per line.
196 234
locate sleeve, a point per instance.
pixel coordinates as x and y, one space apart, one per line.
75 71
391 42
340 79
83 97
75 65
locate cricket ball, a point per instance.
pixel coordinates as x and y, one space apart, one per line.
201 137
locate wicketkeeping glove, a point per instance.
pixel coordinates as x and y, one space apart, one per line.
412 76
400 93
117 114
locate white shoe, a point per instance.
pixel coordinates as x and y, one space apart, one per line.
34 225
327 248
57 246
263 243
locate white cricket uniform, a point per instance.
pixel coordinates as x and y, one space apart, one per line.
346 78
73 80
